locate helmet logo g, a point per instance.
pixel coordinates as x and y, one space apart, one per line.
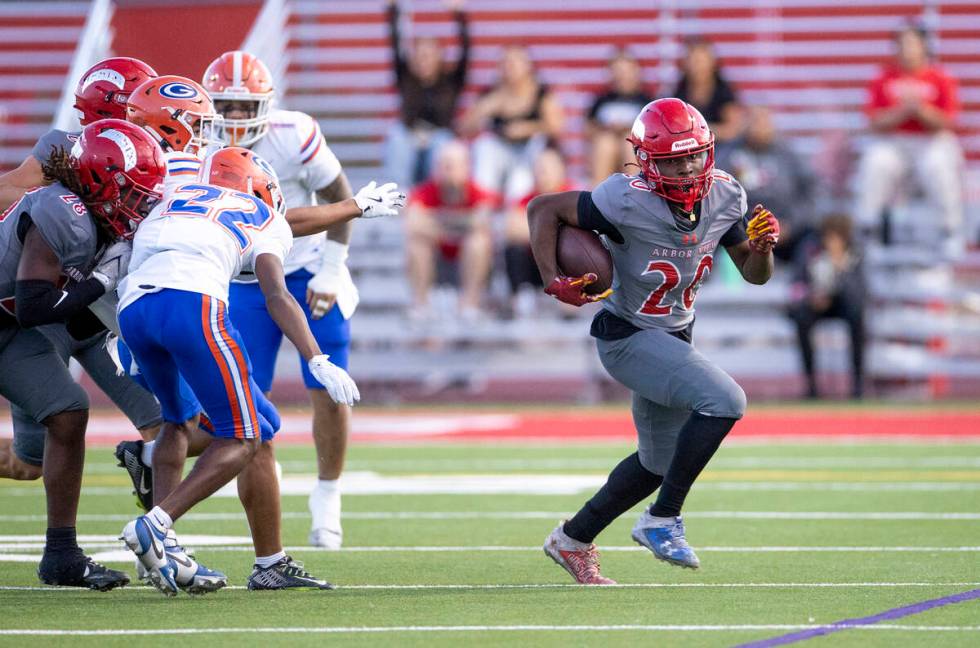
177 90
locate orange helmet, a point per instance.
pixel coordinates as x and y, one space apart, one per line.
238 81
242 170
176 111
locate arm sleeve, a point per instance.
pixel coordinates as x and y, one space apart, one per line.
589 217
459 72
41 302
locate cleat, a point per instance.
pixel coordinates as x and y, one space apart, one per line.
577 558
326 538
129 454
665 538
285 574
80 571
146 540
191 576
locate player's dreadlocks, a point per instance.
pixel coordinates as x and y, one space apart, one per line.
58 169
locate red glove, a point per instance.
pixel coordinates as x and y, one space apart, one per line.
763 230
569 289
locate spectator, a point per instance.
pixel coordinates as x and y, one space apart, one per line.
773 175
522 272
448 219
830 285
911 108
612 114
429 90
521 114
703 86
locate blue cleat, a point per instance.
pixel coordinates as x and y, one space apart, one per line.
191 576
665 538
146 540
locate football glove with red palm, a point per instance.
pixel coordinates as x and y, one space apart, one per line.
763 230
569 289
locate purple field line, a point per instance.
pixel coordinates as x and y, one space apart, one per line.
887 615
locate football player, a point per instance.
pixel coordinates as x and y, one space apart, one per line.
316 271
662 227
173 316
101 93
63 246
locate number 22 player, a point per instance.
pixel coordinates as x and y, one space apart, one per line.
662 228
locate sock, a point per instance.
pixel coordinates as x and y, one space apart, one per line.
146 455
697 442
160 518
61 540
324 504
628 484
268 561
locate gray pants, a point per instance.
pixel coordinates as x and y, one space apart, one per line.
59 392
669 379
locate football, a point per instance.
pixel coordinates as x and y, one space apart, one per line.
581 251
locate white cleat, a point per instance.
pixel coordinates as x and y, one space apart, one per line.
327 538
146 540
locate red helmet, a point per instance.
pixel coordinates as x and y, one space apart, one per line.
670 128
103 90
119 167
242 170
176 111
240 77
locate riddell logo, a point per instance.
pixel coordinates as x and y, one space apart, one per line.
684 144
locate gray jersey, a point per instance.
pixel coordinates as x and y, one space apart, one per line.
54 138
66 226
659 267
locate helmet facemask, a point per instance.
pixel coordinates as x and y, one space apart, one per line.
684 190
242 131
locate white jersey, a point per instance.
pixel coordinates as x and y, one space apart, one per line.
295 148
198 238
182 168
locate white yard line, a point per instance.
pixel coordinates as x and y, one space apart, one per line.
471 628
534 515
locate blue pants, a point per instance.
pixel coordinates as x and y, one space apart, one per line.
192 358
262 337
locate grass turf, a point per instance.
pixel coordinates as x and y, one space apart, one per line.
856 479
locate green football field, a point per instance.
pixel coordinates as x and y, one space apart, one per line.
443 548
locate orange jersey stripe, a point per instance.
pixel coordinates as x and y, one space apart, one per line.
220 359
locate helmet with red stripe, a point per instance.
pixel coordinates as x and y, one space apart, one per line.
104 89
241 87
665 131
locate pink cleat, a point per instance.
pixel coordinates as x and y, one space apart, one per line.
579 559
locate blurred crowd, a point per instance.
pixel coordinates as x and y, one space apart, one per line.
471 172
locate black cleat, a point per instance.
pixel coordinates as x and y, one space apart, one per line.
80 571
129 454
285 574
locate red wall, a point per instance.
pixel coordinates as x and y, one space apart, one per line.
183 37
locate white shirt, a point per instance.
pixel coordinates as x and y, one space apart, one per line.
198 238
182 168
295 148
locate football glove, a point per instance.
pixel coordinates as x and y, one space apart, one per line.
113 265
569 289
340 386
763 230
374 201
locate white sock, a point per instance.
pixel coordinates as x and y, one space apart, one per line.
160 518
269 561
324 504
146 456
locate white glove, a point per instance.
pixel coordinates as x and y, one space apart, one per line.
339 384
374 201
113 265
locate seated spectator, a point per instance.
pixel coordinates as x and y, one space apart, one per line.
429 90
522 272
911 108
773 175
611 116
520 115
447 220
703 86
830 285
